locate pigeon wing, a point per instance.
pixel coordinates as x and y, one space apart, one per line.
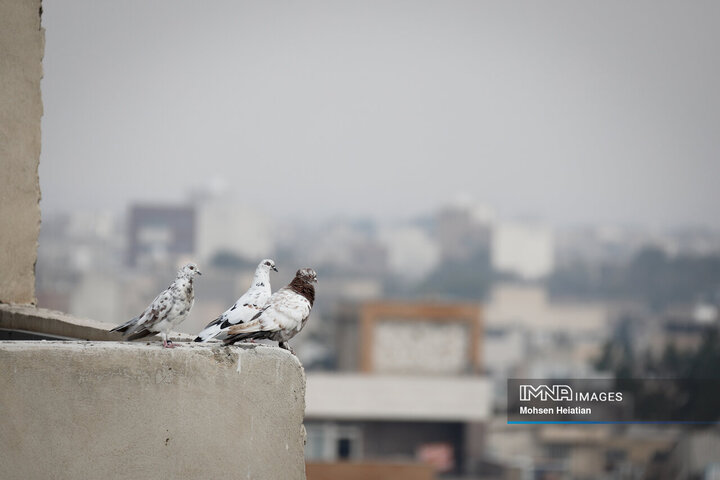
244 310
289 311
285 310
246 307
155 313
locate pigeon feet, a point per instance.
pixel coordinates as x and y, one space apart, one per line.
286 346
168 344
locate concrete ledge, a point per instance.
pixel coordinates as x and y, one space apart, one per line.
82 410
51 322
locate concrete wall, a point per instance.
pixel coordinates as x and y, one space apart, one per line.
21 51
80 410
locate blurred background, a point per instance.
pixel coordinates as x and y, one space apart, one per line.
487 190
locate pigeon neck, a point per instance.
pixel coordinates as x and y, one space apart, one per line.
301 287
262 277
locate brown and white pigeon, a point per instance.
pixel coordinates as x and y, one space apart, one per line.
168 309
246 307
284 315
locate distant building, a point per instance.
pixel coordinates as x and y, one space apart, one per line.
695 455
411 253
528 335
420 338
72 246
680 327
523 249
160 233
463 228
530 308
98 296
343 247
597 245
352 287
225 224
567 452
413 392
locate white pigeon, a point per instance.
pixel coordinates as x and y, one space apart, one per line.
167 310
246 307
284 315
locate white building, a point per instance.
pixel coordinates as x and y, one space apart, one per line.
226 224
524 249
412 254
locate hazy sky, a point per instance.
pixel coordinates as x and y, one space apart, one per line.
575 112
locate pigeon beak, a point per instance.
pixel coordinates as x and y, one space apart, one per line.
275 268
199 272
315 280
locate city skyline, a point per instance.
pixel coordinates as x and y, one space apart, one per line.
483 191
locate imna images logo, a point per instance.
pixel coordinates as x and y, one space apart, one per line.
554 393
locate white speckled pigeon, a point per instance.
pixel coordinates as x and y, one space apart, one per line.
168 309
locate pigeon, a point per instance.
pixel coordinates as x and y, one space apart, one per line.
246 306
283 316
166 311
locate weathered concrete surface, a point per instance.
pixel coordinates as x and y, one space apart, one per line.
51 322
21 51
83 410
41 320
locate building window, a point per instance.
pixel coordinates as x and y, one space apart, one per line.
331 442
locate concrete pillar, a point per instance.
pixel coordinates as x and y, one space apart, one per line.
21 50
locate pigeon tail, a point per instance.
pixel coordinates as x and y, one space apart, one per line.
236 338
140 334
210 331
125 326
245 336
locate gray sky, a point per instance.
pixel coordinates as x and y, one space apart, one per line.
575 112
